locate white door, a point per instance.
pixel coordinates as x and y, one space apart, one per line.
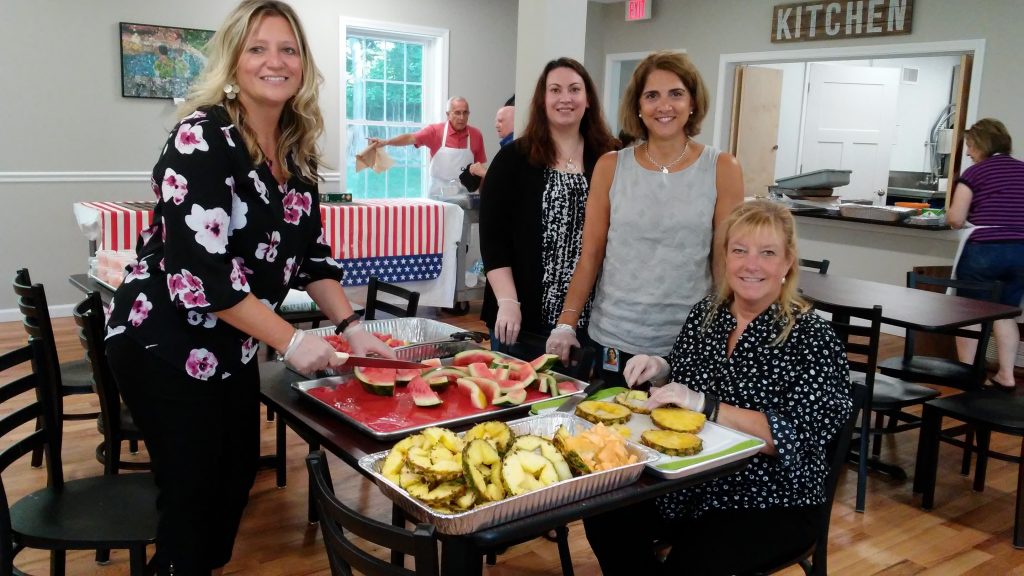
850 124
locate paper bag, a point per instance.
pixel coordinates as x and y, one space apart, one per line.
374 158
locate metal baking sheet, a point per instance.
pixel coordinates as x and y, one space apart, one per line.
514 507
722 444
392 417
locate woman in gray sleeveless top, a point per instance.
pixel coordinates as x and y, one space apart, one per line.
651 215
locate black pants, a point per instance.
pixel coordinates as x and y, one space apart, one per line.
721 542
203 440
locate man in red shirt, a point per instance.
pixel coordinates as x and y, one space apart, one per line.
454 145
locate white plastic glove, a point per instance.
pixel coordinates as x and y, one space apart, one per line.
309 353
644 368
364 344
508 322
678 394
561 341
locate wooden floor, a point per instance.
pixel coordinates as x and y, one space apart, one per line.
966 533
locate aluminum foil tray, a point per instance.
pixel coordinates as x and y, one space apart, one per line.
879 213
558 494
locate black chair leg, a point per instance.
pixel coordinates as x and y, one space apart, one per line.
270 414
137 561
876 449
282 460
103 557
57 559
37 454
397 519
862 461
981 466
564 556
1018 519
314 517
133 447
965 461
491 558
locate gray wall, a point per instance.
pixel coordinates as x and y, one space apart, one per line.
61 108
709 28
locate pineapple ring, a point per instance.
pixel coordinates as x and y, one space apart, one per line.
635 400
497 432
606 413
672 443
678 419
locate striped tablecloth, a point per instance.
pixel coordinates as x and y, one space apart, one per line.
396 240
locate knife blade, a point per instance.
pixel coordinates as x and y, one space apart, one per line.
378 362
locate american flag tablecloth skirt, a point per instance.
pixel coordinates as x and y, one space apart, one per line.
396 240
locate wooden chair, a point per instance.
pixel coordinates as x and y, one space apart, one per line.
338 521
819 266
412 300
98 513
115 422
814 559
74 377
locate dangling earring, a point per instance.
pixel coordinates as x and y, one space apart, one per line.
231 91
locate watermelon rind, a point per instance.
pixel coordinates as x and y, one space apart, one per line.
522 372
379 381
404 376
467 357
544 362
476 396
545 382
421 393
512 398
489 387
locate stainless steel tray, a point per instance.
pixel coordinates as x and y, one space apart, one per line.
827 178
879 213
402 417
558 494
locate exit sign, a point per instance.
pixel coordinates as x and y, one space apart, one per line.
638 9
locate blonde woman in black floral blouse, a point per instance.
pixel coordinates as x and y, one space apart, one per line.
752 357
236 225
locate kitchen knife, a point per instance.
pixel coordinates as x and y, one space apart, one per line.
379 362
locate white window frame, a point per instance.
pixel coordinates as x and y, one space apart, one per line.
435 75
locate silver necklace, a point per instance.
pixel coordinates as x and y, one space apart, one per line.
571 166
664 167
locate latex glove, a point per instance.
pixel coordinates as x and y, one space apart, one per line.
561 341
678 394
312 353
508 322
365 344
643 368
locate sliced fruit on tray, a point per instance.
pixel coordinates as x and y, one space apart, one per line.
438 456
481 370
672 443
525 471
488 387
599 448
434 362
544 362
520 371
678 419
444 493
404 376
395 460
422 394
495 432
546 383
451 374
545 448
481 465
467 357
600 412
380 381
510 398
635 400
476 396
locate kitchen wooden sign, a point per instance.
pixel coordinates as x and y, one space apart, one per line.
804 21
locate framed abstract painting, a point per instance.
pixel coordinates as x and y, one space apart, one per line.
160 61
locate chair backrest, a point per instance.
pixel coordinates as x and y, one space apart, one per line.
991 292
338 521
821 266
411 297
35 312
90 319
860 331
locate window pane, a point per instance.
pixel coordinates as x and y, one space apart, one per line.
374 59
413 103
414 67
396 61
395 95
349 100
353 55
374 100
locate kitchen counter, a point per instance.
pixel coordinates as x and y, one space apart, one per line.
915 193
825 214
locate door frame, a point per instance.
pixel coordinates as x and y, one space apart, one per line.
611 84
728 62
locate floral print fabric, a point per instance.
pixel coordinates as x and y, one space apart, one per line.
802 386
222 228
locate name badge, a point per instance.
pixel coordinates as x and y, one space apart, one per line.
610 359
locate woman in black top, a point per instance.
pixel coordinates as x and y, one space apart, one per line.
532 206
753 357
237 223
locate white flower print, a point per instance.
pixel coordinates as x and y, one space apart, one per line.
238 271
249 349
200 319
261 188
268 251
187 289
295 205
197 115
138 271
227 135
190 139
140 310
289 267
114 331
238 210
149 233
174 187
328 261
211 228
201 363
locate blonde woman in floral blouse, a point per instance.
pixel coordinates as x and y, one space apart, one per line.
753 357
237 224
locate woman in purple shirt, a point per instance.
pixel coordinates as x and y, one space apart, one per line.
990 196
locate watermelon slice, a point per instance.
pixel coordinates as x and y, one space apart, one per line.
481 370
404 376
488 387
567 388
434 362
379 381
476 396
513 398
545 381
522 372
544 362
451 375
467 357
421 393
506 386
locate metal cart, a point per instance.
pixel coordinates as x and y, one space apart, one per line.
470 204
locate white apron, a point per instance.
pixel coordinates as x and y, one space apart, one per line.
447 165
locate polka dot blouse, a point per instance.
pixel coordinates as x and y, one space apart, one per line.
802 385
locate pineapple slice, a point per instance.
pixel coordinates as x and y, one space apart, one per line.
672 443
545 448
395 460
524 471
444 493
481 466
678 419
498 433
634 400
600 412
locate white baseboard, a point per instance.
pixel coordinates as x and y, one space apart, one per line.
14 315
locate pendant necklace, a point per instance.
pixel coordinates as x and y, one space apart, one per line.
664 167
570 166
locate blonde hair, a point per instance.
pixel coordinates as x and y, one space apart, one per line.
301 121
677 64
758 216
989 136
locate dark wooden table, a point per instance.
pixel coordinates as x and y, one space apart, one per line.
462 554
